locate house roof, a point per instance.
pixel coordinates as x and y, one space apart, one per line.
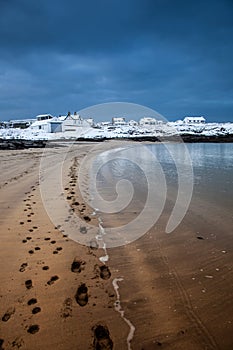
195 117
40 122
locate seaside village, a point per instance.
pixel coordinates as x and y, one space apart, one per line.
46 126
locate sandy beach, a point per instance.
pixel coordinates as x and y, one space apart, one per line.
175 290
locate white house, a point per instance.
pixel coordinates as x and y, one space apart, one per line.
133 123
147 121
118 121
50 124
41 125
194 120
72 122
21 123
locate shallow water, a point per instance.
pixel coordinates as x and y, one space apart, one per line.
205 169
177 284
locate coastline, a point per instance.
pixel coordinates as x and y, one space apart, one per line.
187 138
166 290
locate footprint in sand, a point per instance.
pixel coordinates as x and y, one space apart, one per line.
31 251
33 329
36 309
86 218
66 311
52 280
17 343
45 268
37 248
93 245
23 267
47 238
104 271
102 340
200 237
83 229
53 242
28 284
32 301
81 295
77 265
8 314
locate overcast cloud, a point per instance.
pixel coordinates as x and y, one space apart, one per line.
173 56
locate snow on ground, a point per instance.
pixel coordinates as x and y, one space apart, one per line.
124 131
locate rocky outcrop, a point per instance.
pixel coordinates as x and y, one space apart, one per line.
21 144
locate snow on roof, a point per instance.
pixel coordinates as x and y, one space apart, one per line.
40 122
21 120
195 118
62 117
43 115
147 118
118 118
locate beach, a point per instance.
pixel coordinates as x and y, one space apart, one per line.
171 291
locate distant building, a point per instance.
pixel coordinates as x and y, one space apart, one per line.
194 120
21 123
147 121
118 121
41 125
133 123
70 122
73 121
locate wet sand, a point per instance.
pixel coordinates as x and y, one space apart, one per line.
176 290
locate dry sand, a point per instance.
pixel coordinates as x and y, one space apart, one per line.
177 290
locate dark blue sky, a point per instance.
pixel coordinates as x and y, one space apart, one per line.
173 56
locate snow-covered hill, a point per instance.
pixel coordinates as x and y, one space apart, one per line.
124 131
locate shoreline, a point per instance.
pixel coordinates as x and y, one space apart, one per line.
186 138
174 288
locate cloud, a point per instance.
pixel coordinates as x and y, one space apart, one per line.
173 56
